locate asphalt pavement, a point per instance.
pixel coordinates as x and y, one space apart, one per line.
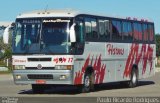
149 87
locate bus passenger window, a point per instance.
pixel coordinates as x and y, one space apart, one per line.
151 32
104 30
107 28
91 29
145 32
116 30
140 31
127 31
94 28
88 28
101 28
137 31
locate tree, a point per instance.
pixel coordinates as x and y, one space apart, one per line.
6 47
157 38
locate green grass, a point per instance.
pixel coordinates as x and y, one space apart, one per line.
158 65
5 72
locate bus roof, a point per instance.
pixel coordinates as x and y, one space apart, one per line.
69 13
48 13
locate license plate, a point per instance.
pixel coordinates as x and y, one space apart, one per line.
40 82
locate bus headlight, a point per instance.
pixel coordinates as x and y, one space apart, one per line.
19 67
63 67
18 76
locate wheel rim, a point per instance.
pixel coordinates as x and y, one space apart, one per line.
87 81
134 78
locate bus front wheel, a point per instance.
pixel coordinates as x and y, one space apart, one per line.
88 83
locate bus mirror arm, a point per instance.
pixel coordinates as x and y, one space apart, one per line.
72 34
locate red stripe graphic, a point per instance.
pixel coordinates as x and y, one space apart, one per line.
99 70
145 55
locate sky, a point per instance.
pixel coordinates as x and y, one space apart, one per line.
148 9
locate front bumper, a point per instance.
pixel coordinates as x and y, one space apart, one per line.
49 76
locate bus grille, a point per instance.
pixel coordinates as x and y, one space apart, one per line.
46 68
40 76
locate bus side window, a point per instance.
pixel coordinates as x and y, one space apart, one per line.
91 29
101 28
104 30
116 30
140 31
127 31
151 32
145 32
94 28
88 28
107 29
137 31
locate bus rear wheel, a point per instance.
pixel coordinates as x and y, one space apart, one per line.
133 78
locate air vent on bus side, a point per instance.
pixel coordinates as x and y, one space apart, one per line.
39 59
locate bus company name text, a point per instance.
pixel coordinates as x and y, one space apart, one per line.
18 60
114 50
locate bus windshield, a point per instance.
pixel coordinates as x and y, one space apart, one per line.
45 36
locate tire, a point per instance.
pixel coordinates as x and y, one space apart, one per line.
88 83
133 79
36 88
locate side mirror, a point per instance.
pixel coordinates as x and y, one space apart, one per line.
72 33
6 35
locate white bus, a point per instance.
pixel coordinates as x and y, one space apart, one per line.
66 47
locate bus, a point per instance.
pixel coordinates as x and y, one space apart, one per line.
67 47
